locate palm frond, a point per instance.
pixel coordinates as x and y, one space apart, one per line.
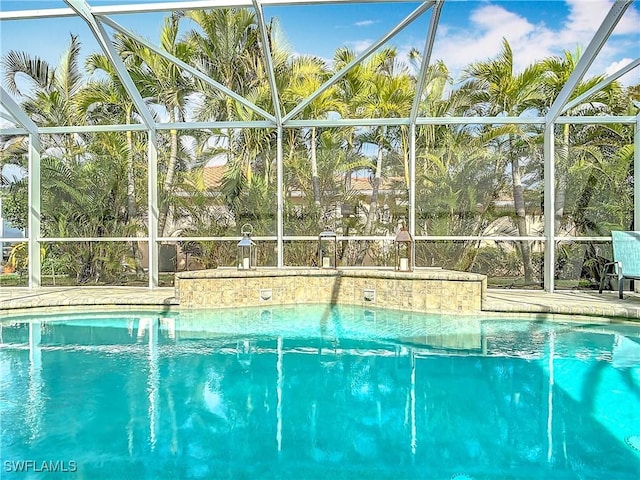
37 70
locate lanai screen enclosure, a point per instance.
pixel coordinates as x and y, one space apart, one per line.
139 153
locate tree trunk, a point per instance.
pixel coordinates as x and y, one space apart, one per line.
131 186
521 219
169 179
314 169
561 178
173 160
373 205
406 153
131 202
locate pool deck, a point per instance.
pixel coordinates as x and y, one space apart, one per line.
514 301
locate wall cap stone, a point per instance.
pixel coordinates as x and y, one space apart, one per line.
418 274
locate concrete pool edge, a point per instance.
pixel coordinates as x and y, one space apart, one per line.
525 303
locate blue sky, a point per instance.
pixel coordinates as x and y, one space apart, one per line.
468 31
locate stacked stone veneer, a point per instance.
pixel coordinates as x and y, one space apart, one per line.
432 290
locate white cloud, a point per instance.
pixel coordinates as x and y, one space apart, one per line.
489 17
490 23
615 66
585 16
629 23
364 23
6 123
631 78
359 46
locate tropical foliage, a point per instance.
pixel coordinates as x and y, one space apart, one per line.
471 180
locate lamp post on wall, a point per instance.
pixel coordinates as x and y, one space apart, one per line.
247 251
327 249
404 247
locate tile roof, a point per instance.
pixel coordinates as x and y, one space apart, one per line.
213 176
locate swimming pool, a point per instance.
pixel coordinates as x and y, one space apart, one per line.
317 392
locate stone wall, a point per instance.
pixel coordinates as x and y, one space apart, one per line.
432 290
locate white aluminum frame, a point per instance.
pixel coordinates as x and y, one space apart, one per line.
96 16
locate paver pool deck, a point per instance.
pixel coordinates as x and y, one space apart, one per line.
589 303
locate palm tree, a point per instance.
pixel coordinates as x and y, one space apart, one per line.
557 70
226 47
389 93
457 181
49 96
106 100
90 201
498 90
168 87
13 151
351 93
50 93
307 75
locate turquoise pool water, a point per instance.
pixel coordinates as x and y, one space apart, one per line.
317 393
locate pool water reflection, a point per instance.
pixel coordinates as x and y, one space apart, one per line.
313 392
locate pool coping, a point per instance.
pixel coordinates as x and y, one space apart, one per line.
16 300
